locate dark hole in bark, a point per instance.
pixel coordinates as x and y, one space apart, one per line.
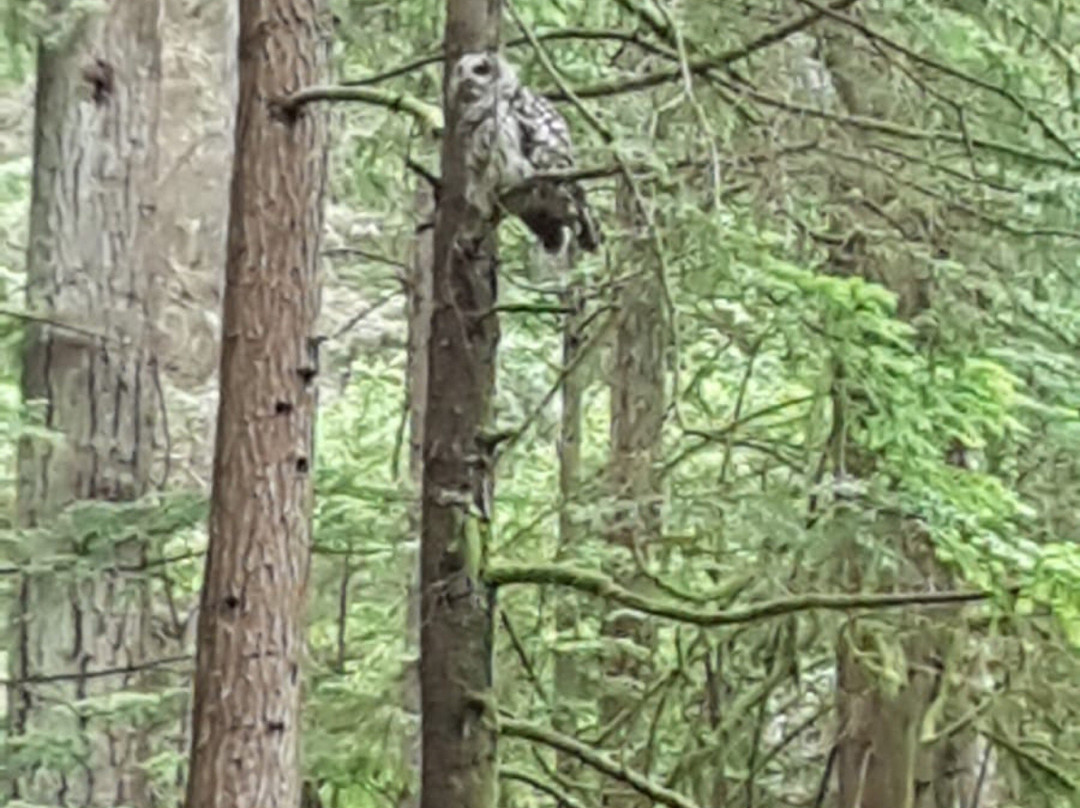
302 465
283 407
285 113
101 78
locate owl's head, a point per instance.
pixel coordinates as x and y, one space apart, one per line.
475 74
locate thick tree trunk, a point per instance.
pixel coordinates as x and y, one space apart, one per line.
246 728
459 730
91 273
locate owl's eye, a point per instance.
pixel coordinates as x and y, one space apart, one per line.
483 69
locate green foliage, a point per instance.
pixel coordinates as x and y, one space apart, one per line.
869 306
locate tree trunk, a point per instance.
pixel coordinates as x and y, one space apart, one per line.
246 728
198 102
881 760
416 377
880 756
198 105
567 678
91 273
459 731
637 418
637 414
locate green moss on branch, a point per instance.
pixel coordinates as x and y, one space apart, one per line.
602 586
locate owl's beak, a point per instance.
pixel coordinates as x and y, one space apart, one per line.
469 91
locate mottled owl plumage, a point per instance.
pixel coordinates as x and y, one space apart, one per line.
513 134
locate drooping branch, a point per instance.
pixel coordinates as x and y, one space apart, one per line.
602 586
514 728
543 786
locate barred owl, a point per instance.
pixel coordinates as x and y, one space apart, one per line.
512 134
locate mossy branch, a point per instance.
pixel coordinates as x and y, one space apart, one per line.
429 116
602 586
514 728
1059 776
561 796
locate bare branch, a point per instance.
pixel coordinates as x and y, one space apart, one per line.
40 319
430 116
703 64
960 207
588 34
427 176
96 674
363 314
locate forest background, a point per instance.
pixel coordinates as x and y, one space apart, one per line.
786 505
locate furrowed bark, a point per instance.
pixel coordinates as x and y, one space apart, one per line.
246 726
459 736
91 265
